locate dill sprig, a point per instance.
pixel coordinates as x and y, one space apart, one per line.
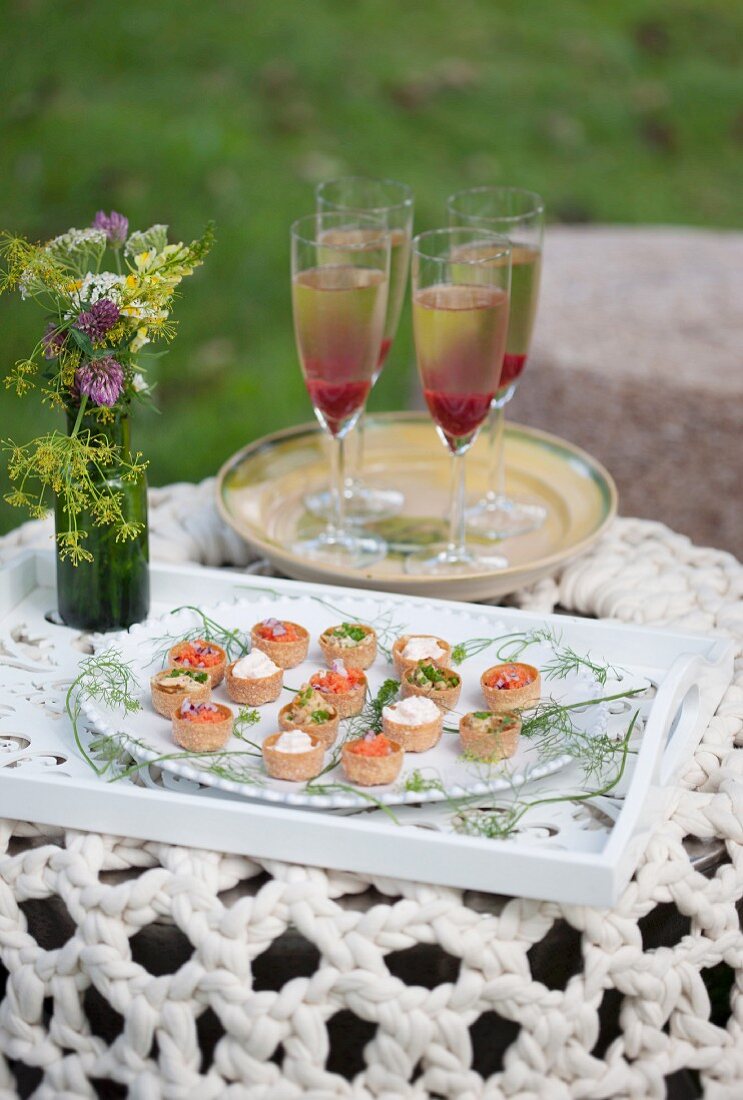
387 630
74 469
237 766
234 642
500 823
108 679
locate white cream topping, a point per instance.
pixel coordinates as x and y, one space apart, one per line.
416 710
417 648
257 665
293 741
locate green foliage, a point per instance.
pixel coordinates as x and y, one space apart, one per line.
623 112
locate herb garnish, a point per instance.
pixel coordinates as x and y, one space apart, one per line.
349 630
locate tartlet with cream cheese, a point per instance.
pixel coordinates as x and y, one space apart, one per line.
293 755
416 723
254 679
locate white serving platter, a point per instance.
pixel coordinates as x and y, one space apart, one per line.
148 736
565 852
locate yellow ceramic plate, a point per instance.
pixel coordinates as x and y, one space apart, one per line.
260 492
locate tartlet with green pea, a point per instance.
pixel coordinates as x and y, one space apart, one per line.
310 712
171 686
353 643
489 737
443 685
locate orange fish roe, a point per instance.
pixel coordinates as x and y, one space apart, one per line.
509 676
371 746
278 630
336 683
202 712
197 654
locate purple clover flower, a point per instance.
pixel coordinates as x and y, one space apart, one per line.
115 226
53 341
99 319
102 380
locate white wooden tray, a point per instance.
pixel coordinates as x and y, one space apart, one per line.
566 851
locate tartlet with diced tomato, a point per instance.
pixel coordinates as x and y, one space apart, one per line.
353 643
443 685
511 686
285 642
344 688
201 655
171 686
489 737
372 760
439 651
202 727
311 712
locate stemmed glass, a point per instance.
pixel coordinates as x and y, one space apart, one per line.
340 282
518 215
461 284
392 203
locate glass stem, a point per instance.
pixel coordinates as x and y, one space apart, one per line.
496 439
357 458
337 521
456 547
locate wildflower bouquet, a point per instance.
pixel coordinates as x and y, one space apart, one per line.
86 364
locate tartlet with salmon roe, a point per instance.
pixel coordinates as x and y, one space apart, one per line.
202 727
201 655
511 686
343 688
285 642
372 760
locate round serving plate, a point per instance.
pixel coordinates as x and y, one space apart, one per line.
261 491
238 769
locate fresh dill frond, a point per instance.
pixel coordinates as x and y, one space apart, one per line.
109 680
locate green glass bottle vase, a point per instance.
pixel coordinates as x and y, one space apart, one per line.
113 590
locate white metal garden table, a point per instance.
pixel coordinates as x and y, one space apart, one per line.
177 972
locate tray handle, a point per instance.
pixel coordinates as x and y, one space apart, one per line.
679 702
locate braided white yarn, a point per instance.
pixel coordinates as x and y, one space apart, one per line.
639 572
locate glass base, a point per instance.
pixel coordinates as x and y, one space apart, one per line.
362 503
503 517
342 551
442 560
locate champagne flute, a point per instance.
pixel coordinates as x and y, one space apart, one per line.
340 282
461 284
392 203
518 215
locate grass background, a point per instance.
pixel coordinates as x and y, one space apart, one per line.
621 112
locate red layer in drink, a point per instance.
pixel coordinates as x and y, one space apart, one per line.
458 414
512 368
337 401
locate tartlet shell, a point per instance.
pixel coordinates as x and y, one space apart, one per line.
372 771
294 767
323 731
446 698
418 738
402 664
215 672
362 655
490 746
203 736
283 654
253 692
167 703
503 700
348 704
